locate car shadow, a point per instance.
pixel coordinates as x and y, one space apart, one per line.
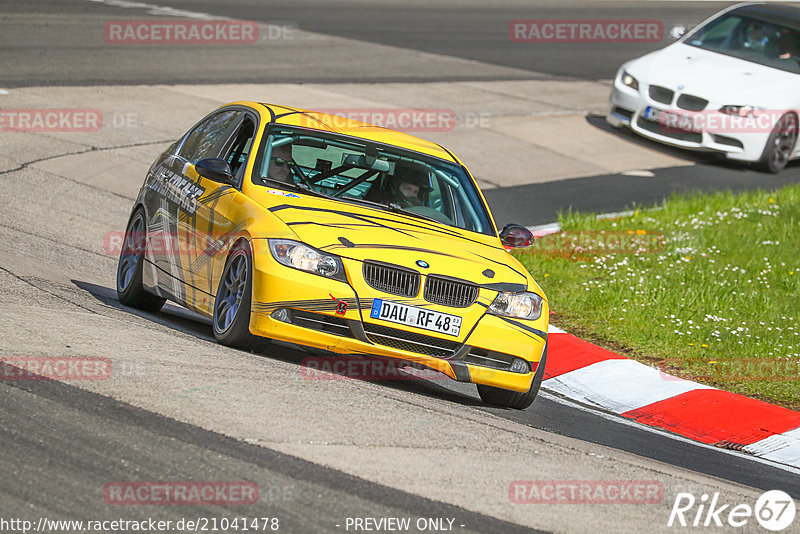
701 158
188 322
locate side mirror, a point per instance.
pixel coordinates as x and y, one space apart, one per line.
678 31
215 169
516 236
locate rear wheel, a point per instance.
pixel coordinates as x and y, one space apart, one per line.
513 399
130 289
232 304
780 144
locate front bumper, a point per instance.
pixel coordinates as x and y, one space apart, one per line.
334 317
627 108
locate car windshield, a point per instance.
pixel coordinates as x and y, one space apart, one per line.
750 39
351 170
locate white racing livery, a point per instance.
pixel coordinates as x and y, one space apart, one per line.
731 86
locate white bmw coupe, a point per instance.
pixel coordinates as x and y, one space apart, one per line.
731 85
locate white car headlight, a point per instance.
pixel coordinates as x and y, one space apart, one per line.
299 256
629 80
520 305
741 111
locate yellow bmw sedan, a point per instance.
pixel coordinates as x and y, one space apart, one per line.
340 237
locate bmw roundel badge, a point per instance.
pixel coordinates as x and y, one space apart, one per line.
423 264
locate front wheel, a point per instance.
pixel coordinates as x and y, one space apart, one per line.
130 289
780 144
232 303
513 399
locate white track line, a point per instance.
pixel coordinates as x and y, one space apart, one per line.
161 11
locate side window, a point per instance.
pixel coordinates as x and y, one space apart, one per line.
239 149
201 142
722 30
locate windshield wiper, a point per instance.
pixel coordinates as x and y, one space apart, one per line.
391 206
394 207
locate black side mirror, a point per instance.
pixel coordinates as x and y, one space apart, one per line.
215 169
516 236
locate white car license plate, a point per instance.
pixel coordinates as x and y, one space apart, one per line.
669 120
413 316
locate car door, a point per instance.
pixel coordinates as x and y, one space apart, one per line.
214 229
176 216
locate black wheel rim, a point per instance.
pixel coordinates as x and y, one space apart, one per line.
785 140
132 250
229 298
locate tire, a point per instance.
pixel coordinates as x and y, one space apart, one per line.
513 399
231 319
780 144
130 290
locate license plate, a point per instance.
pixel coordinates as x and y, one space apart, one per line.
667 119
412 316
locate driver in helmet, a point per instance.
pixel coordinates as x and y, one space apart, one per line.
756 36
280 164
410 185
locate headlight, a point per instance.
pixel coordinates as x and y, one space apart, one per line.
520 305
305 258
629 80
741 111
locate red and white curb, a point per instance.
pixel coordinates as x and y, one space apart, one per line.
597 377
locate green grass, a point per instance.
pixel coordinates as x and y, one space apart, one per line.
705 287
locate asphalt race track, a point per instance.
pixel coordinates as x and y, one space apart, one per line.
470 30
180 407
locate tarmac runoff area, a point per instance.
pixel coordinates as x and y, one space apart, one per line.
63 193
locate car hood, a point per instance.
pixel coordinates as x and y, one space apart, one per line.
716 77
363 233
